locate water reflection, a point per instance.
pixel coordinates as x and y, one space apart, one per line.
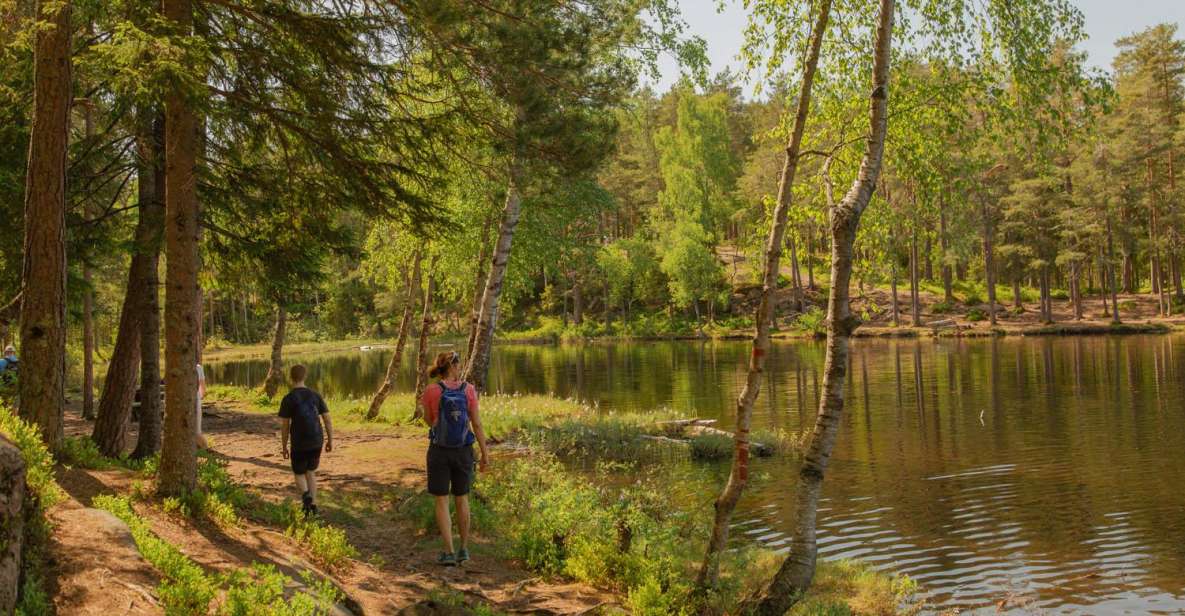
1047 470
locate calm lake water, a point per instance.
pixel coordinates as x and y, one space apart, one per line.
1046 470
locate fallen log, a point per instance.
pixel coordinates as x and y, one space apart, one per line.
759 449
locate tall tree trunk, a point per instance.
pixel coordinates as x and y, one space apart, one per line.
810 257
928 259
119 386
893 289
479 357
739 475
1018 300
88 345
797 571
577 302
989 265
152 211
275 371
426 322
795 271
43 309
409 309
1076 289
915 308
88 298
948 294
178 461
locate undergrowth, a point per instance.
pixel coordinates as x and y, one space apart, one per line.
188 590
43 492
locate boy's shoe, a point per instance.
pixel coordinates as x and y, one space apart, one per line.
447 559
462 555
306 504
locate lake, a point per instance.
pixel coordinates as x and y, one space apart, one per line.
1047 471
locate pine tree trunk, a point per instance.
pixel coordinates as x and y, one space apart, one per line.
989 266
43 308
479 358
928 260
409 309
178 461
738 477
152 210
1018 300
88 346
797 571
426 322
119 386
893 288
1076 290
577 302
948 294
275 371
915 308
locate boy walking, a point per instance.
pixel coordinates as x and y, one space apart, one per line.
302 412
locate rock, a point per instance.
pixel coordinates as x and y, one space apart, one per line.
12 522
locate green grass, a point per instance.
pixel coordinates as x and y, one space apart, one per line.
188 590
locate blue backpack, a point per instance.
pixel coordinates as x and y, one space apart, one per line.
452 419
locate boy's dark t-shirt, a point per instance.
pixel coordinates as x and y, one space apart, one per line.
304 407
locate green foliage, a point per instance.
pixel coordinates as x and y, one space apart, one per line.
812 322
976 314
83 452
187 590
38 460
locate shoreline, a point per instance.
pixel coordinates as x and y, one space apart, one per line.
957 330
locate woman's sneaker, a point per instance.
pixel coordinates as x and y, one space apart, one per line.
447 559
462 555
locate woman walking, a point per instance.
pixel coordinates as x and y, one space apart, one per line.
450 409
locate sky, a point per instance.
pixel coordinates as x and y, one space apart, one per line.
1106 21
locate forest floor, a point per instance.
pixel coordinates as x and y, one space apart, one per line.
364 487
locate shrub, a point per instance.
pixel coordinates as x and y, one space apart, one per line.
38 460
83 452
972 299
706 446
942 307
1061 294
813 322
975 314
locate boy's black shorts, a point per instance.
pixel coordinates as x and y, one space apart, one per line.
450 467
305 461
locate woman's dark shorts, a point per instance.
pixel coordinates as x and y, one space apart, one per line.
450 467
305 461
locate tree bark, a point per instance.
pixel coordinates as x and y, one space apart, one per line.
797 571
88 345
275 371
178 462
989 265
152 210
1018 300
43 309
577 302
119 386
739 475
948 294
795 271
477 369
915 308
893 288
426 322
409 309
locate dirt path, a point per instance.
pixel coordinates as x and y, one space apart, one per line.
365 484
